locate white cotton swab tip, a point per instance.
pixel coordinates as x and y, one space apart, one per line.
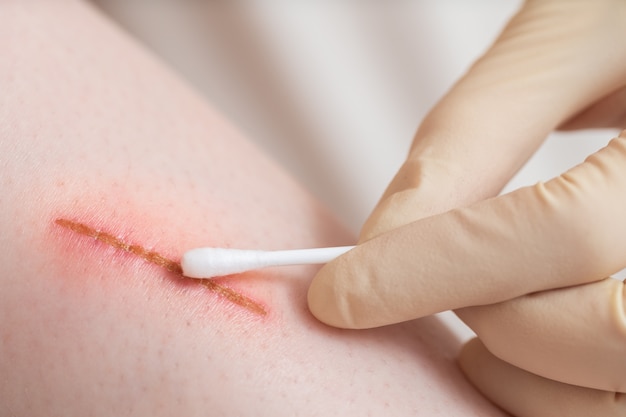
216 262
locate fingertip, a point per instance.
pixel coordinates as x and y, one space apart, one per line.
378 283
327 301
396 210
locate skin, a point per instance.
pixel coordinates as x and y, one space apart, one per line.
94 130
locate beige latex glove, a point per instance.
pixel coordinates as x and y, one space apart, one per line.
527 270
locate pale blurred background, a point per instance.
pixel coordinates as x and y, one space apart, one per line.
334 89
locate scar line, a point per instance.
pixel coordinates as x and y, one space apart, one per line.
162 261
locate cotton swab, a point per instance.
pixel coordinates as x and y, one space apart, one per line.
216 262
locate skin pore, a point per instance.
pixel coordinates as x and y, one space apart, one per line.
95 132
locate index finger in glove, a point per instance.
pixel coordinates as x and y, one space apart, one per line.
568 231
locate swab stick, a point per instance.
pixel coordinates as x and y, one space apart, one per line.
216 262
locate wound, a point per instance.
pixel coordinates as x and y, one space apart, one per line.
156 258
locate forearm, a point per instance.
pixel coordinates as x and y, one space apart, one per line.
107 160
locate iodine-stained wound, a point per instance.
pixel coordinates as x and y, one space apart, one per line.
162 261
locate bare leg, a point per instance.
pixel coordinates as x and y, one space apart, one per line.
94 132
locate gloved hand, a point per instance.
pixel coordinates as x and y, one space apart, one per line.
527 270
